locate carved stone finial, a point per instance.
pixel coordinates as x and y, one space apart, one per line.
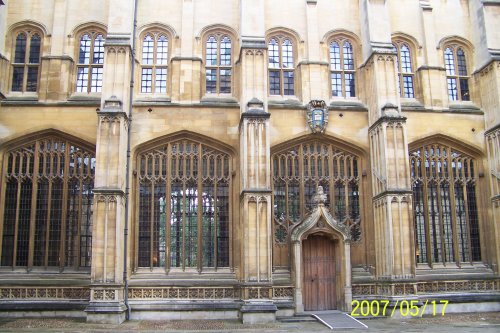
320 196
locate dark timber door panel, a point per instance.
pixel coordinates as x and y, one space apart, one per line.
319 273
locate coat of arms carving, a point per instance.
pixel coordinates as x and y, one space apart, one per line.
317 116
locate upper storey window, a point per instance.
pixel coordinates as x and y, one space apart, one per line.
154 63
90 62
281 66
218 64
342 69
457 76
405 70
26 62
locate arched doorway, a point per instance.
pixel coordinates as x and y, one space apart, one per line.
318 254
321 264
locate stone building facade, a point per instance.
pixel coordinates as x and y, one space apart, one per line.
251 159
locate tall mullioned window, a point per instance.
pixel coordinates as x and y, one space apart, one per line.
405 70
183 216
90 62
154 63
342 69
26 62
457 77
297 172
218 64
445 208
47 219
281 66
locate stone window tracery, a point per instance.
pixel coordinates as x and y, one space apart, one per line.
445 205
48 199
26 61
90 62
297 173
281 66
183 206
404 64
342 68
154 71
457 76
218 64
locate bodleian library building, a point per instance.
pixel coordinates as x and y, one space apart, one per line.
250 159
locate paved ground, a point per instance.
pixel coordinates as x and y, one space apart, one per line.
452 323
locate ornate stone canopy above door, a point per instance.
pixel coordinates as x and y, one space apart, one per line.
321 223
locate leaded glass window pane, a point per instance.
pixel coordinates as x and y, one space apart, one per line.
147 50
180 211
342 69
218 65
90 63
20 52
445 213
59 175
274 56
84 55
297 172
17 78
35 49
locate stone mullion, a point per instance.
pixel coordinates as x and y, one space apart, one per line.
331 160
425 199
34 190
454 222
47 232
168 207
199 255
467 213
79 222
64 206
301 184
184 203
151 220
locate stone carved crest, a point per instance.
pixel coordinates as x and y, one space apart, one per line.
317 116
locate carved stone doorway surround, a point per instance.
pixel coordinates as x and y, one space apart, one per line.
321 222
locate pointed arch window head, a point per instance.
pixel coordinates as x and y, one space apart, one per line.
457 77
47 213
281 65
446 218
297 171
184 207
406 75
218 64
90 62
342 69
26 62
154 63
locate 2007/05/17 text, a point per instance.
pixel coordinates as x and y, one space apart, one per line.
406 308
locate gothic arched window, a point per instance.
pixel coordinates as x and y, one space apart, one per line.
281 66
342 69
406 82
90 62
183 213
47 216
154 63
26 62
218 64
457 77
297 172
444 202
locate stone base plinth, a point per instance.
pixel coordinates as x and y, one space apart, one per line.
106 313
258 312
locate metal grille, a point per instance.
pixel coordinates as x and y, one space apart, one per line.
48 205
183 215
297 172
444 201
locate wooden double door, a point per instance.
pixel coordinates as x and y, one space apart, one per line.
318 253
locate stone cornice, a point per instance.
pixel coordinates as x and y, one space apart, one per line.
61 57
396 192
186 58
386 119
493 129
